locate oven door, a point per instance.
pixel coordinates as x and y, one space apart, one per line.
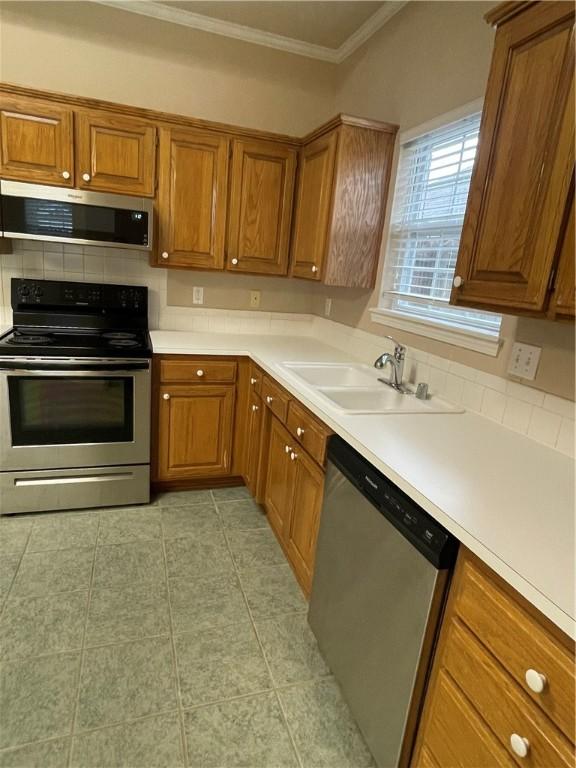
60 414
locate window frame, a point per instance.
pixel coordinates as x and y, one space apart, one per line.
456 333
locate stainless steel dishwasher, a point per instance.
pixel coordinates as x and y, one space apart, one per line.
382 568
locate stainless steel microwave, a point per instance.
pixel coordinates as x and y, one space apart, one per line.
38 212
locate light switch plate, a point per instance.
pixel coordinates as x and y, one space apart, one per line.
197 295
524 361
254 299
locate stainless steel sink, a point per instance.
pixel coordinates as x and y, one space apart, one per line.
354 388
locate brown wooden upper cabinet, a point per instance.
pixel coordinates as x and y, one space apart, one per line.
261 192
105 152
36 141
341 199
115 154
193 178
562 305
520 191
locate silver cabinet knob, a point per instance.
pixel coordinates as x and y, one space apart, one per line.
287 448
164 254
65 174
457 282
293 456
234 261
536 681
314 268
253 380
520 745
299 431
166 396
254 408
269 399
200 372
86 177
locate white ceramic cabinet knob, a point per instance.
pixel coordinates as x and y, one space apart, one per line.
164 254
200 372
254 408
269 399
287 448
253 380
166 396
234 261
536 681
314 268
86 177
293 456
520 745
299 431
65 174
457 282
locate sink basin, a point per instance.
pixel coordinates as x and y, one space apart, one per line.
383 400
354 388
335 374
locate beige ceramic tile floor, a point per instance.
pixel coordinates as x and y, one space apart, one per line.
161 636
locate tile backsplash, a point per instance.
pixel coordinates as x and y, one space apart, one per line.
55 261
542 417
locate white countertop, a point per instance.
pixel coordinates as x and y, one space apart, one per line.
507 498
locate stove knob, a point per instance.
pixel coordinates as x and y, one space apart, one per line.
24 291
38 291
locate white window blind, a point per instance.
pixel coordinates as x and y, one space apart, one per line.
430 200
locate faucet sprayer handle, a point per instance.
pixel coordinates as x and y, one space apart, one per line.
399 349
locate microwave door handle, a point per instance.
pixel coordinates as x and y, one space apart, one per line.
38 367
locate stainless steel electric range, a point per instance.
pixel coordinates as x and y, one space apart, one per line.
74 397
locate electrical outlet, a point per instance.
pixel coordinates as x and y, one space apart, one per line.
197 295
254 299
327 307
524 361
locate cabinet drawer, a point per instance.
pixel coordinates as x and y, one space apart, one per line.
203 371
520 643
255 379
503 705
275 398
456 735
309 431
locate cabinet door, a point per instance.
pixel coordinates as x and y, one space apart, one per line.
313 207
279 478
261 191
192 199
195 431
524 164
254 438
36 142
304 517
562 304
115 154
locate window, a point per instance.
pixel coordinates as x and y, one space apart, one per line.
432 185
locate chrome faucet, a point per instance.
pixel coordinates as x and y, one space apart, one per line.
396 362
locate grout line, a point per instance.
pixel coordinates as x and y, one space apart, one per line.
84 731
281 707
183 740
82 647
5 603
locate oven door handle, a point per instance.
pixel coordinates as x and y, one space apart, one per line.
63 367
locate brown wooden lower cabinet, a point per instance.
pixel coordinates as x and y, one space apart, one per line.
501 690
254 421
279 478
195 430
304 518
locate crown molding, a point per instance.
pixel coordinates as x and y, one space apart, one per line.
156 10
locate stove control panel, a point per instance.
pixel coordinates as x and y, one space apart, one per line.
67 296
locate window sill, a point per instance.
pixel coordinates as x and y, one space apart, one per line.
434 329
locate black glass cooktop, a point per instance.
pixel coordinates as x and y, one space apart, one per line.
32 341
